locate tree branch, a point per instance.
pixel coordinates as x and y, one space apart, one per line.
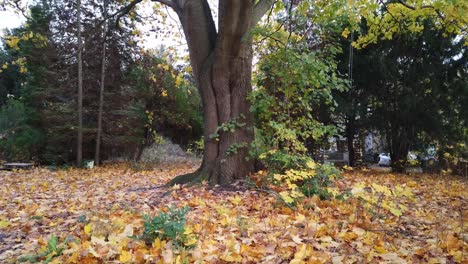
122 12
441 16
199 30
413 7
438 12
126 9
168 3
260 9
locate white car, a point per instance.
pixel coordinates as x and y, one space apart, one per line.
384 159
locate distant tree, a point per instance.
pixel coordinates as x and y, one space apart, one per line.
40 68
79 140
165 102
412 89
27 64
296 75
97 154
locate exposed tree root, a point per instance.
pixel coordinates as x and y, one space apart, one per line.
189 179
219 172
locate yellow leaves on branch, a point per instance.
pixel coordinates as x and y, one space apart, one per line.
345 33
409 16
20 62
381 196
35 38
290 179
12 42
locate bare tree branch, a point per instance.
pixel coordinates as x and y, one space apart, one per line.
260 9
168 3
124 11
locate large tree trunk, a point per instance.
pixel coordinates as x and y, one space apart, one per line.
225 157
222 66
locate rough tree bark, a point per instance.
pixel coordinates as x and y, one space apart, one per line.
79 141
399 148
222 65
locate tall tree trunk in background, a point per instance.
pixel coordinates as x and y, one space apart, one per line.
222 66
79 141
101 89
399 148
350 133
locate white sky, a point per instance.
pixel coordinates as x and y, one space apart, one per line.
151 39
9 19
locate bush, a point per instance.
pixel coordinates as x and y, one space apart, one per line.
197 147
53 250
280 161
168 226
313 179
323 179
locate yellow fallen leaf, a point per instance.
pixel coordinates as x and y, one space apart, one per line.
300 218
301 253
188 230
87 229
56 261
191 240
457 256
125 256
380 249
4 224
349 236
453 243
232 257
236 200
395 211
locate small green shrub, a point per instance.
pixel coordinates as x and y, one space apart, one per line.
312 179
53 250
325 175
279 160
168 226
197 147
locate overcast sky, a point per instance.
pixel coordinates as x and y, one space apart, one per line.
9 19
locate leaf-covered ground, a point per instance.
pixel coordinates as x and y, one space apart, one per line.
94 213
